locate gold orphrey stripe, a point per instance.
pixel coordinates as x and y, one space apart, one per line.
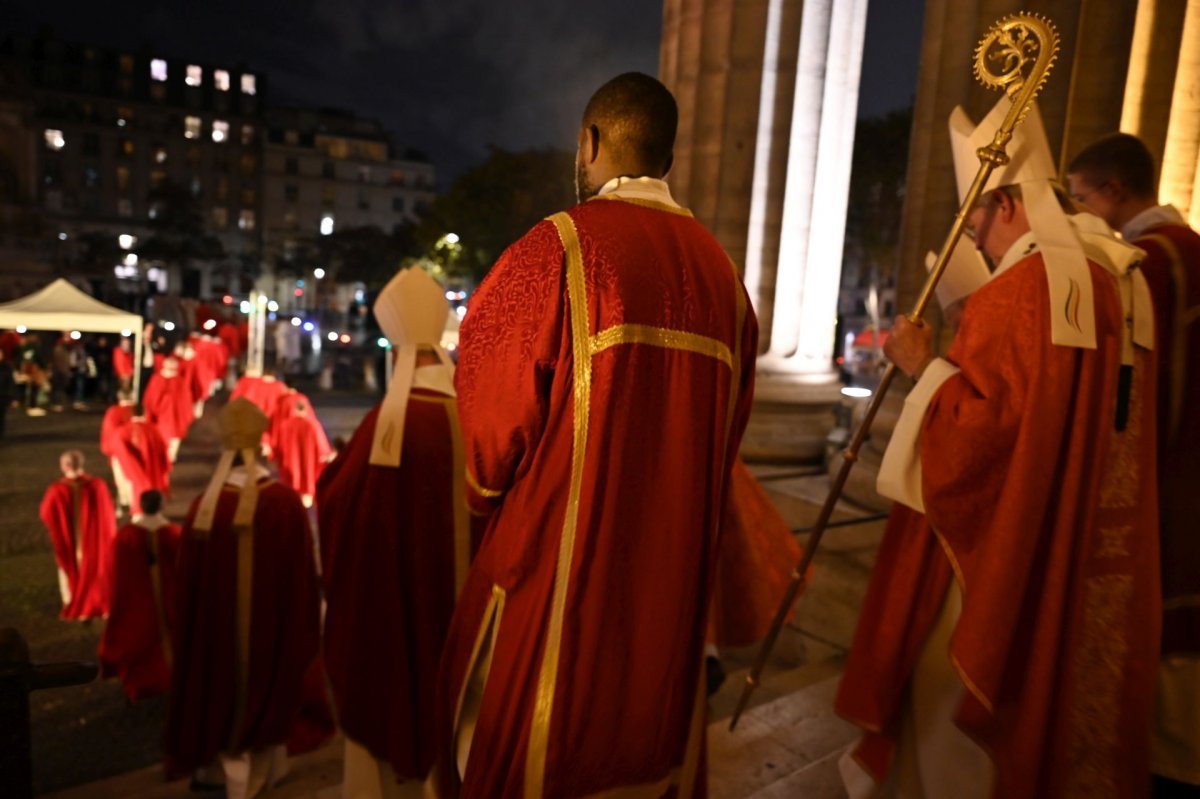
583 348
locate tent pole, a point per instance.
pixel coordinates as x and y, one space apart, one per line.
137 361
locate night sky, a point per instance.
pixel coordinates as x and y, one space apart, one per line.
448 77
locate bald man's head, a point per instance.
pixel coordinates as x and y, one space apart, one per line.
71 462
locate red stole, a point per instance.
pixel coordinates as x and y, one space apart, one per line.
1045 513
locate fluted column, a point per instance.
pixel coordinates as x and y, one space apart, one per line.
1179 184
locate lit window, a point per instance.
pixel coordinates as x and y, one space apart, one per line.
191 127
195 75
54 139
326 225
155 210
247 134
248 84
220 130
127 241
123 116
246 219
220 217
221 80
158 69
127 147
160 154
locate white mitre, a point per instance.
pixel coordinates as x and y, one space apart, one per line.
411 311
1031 167
242 426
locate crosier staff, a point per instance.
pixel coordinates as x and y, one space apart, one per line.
1016 56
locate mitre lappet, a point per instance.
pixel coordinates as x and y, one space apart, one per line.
411 311
242 426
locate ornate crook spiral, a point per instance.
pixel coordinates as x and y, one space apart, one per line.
1018 49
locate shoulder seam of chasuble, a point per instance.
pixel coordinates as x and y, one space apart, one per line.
657 206
584 347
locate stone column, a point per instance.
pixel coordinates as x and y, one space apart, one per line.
1150 80
1180 180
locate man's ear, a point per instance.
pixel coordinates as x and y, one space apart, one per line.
667 166
593 141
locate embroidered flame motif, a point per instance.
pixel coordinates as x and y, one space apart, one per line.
1071 307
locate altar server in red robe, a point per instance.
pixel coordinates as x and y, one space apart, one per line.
301 450
122 363
1008 640
169 403
136 645
141 455
604 382
395 546
78 513
248 624
1117 177
116 417
264 390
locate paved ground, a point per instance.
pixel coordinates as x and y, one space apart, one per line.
87 732
89 737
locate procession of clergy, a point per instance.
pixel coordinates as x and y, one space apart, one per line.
524 558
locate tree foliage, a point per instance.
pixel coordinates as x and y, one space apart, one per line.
492 205
179 234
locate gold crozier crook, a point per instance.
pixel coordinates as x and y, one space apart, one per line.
1016 56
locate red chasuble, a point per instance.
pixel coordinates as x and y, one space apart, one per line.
116 417
142 453
757 555
300 450
395 546
224 699
1172 268
262 391
136 645
1044 512
168 402
604 382
81 521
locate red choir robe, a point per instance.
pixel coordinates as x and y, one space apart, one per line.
283 409
262 391
300 451
142 453
115 417
78 514
136 645
603 388
1172 268
191 372
395 544
228 333
1044 514
168 402
220 703
757 555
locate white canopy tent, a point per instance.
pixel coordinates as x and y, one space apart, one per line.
61 306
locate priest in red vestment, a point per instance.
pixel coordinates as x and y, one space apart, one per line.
395 547
1116 176
1007 643
78 513
301 450
604 381
136 645
115 418
141 454
169 404
249 620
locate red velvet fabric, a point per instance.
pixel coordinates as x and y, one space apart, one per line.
132 647
142 453
1175 287
661 438
1047 514
388 557
757 555
284 630
82 505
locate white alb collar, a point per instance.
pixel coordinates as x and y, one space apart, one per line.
642 188
151 521
1150 218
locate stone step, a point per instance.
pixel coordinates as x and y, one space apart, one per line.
786 747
